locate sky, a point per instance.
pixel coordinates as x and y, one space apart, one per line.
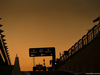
45 23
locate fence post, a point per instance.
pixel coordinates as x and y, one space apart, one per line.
71 50
78 45
83 41
87 37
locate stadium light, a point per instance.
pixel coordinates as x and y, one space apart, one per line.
6 50
3 39
1 31
6 47
2 35
4 43
1 25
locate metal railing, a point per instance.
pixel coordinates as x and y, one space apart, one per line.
84 41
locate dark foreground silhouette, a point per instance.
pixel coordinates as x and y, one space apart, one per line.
48 73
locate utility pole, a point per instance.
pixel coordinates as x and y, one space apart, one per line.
60 54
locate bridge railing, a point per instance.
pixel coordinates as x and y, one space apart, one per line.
84 41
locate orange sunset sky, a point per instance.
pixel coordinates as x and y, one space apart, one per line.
45 23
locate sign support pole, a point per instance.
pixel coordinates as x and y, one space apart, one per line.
33 61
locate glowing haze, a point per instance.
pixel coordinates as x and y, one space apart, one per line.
45 23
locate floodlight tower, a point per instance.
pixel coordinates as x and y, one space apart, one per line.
3 48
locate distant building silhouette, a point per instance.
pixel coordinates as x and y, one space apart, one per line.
16 69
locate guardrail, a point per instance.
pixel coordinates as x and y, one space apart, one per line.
83 42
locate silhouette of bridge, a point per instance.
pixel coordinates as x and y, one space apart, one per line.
83 57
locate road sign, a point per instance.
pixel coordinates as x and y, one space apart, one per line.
34 52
